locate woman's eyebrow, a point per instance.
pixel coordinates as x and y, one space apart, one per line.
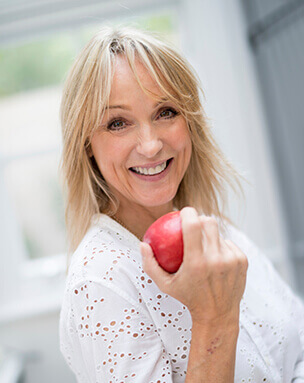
118 107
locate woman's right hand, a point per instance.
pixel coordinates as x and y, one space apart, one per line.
212 277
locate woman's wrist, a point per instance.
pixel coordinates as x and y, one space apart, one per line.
216 330
209 322
212 353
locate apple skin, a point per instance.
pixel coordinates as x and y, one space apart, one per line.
166 240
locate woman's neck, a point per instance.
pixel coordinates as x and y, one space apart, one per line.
137 219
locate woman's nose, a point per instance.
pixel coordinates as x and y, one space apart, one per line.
149 142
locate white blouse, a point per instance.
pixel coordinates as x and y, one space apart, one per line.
117 326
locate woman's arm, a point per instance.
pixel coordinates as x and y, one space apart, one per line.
212 353
210 282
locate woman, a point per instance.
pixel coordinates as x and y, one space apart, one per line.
137 146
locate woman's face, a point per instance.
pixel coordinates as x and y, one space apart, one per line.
142 148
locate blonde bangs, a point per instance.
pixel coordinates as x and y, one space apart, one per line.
165 69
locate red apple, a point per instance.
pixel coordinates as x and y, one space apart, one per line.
166 240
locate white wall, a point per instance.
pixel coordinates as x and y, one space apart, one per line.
214 39
11 247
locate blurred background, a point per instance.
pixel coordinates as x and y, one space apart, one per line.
250 58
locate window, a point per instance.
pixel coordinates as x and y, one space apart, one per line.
32 232
30 136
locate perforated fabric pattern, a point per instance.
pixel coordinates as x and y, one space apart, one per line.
117 326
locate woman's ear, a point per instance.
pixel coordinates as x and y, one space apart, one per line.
89 151
88 148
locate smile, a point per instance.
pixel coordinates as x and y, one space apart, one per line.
151 171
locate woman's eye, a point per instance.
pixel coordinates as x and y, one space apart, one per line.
116 125
168 113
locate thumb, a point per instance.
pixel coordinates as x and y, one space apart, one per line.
151 266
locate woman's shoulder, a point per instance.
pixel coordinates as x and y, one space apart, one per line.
259 265
264 282
230 231
107 255
238 236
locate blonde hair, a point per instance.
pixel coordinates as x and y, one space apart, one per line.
85 97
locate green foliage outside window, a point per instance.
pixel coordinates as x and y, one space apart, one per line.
45 62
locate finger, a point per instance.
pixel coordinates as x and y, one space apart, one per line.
210 229
151 266
238 253
233 247
224 243
192 233
229 244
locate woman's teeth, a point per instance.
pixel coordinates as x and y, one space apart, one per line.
150 171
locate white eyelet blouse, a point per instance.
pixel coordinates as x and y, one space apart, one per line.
117 326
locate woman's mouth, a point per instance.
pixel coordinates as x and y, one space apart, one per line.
151 171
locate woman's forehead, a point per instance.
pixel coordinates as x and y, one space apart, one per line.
124 80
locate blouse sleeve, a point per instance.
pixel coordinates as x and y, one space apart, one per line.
293 305
113 339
